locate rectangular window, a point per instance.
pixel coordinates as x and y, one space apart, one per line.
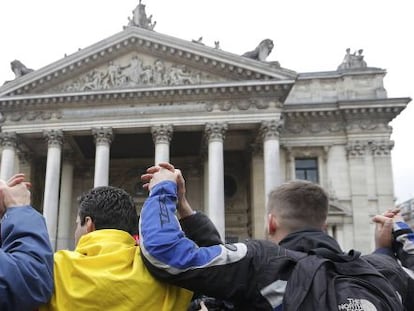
307 169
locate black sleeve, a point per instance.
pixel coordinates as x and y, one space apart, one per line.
199 228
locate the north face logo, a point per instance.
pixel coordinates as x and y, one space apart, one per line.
357 305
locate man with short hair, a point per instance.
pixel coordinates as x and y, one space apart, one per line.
254 274
26 257
105 271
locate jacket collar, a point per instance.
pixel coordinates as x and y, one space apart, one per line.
308 239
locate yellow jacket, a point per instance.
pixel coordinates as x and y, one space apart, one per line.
106 272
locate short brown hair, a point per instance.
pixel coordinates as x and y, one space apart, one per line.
299 204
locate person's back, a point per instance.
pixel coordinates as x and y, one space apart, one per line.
253 274
106 271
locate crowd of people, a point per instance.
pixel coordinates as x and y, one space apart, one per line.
172 257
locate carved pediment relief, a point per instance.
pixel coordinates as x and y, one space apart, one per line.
135 70
137 57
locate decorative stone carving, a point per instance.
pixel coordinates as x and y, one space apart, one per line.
8 139
135 73
215 131
374 147
356 149
353 61
270 129
226 106
102 135
140 19
53 137
381 148
262 51
18 116
162 133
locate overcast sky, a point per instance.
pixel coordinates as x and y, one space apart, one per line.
309 35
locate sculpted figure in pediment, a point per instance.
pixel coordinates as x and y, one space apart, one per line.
134 73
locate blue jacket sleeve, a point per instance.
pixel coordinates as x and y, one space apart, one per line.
26 260
237 272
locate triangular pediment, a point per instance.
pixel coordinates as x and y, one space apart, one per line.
336 209
139 58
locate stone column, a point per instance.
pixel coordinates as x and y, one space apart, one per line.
51 197
161 136
362 235
103 138
270 133
215 136
8 143
64 234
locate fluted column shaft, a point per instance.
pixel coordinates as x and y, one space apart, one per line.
103 138
215 136
51 197
161 136
8 143
270 134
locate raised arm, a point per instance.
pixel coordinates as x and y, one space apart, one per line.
26 257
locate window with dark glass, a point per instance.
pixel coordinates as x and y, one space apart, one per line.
307 169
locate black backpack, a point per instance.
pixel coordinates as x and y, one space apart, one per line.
325 280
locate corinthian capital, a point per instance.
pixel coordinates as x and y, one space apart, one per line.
53 137
381 148
215 131
162 133
102 135
8 139
270 129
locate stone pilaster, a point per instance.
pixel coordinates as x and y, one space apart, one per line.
258 205
362 235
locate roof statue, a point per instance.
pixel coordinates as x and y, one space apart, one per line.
140 19
19 69
262 51
353 61
199 41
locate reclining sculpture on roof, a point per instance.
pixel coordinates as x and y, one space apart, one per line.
262 51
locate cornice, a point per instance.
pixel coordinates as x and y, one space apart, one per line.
133 38
275 89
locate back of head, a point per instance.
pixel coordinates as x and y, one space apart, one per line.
299 205
109 208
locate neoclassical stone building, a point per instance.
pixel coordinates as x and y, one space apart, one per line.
236 125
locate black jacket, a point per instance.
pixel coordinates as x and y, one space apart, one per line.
253 274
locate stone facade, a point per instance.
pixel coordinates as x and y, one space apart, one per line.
236 126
